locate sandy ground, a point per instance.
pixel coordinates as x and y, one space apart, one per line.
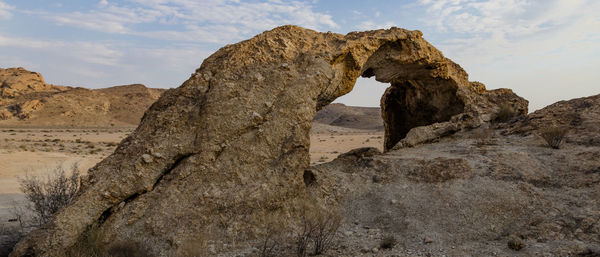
38 152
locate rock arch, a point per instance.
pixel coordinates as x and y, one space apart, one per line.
227 148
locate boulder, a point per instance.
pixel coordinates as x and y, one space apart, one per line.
214 157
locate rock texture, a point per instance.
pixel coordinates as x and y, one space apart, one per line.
213 158
507 195
26 100
18 81
581 116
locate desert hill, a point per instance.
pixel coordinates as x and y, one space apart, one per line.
26 101
341 115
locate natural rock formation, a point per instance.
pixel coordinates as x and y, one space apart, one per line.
214 157
459 197
581 116
18 81
26 100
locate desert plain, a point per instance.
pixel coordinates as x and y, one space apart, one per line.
39 151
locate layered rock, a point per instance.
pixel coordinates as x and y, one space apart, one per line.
228 148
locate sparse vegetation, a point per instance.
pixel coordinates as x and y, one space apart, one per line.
273 237
516 243
554 136
388 242
50 195
318 227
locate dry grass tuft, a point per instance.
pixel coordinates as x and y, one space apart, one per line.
554 136
388 242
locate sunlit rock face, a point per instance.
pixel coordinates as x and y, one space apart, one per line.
214 157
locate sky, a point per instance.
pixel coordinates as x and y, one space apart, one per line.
545 50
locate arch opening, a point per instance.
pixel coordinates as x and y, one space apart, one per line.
352 121
414 103
417 96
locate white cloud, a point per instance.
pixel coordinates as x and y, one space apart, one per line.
216 21
371 25
495 29
5 11
510 40
94 53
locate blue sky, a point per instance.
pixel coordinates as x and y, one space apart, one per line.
545 50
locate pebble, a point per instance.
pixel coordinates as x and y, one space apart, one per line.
427 240
147 158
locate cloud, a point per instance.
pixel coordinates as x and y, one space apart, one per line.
490 30
371 25
90 52
526 45
5 11
215 21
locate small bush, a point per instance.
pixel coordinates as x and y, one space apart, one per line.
318 226
273 237
388 242
554 136
50 195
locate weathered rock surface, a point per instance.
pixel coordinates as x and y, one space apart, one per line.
581 116
216 156
26 100
472 199
18 81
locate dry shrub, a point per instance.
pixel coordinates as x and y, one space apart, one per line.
388 242
505 113
273 238
50 195
554 135
318 227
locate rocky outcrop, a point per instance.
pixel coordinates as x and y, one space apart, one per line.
26 100
580 116
468 194
214 157
18 81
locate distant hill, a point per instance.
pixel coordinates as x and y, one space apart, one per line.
341 115
26 100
